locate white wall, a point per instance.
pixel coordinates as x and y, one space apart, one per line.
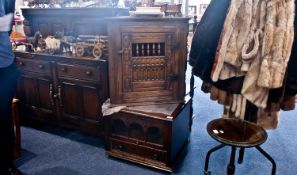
198 4
19 3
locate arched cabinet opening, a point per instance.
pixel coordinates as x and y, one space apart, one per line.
119 128
136 131
154 135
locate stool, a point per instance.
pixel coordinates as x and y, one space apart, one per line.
236 133
17 128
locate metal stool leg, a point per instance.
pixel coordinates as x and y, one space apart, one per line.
206 172
231 166
269 158
241 154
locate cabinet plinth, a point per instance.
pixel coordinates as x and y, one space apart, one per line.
152 139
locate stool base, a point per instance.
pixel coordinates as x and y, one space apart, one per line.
231 166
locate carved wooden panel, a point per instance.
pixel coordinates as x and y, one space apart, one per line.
147 60
147 63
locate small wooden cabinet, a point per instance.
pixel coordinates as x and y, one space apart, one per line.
62 90
155 139
147 59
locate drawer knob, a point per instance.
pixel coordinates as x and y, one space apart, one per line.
63 69
21 63
121 147
41 66
88 73
155 156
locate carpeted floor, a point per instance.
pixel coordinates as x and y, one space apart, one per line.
55 151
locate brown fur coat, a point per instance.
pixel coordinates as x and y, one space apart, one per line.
256 42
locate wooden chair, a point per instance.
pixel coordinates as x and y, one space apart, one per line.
17 128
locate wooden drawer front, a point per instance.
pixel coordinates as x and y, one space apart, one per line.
80 72
33 65
138 150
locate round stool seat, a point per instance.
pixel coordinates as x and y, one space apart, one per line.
236 132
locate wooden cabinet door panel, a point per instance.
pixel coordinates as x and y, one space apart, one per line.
34 92
147 60
91 103
45 89
148 64
27 90
69 99
79 101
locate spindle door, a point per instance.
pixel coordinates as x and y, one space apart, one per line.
147 60
148 66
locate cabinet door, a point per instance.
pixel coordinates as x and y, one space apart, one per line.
35 92
149 66
79 101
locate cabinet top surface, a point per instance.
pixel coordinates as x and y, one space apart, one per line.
159 111
104 12
29 55
147 18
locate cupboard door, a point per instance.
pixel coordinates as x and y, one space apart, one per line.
149 67
79 101
37 95
69 99
91 103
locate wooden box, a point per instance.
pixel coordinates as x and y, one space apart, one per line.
147 59
155 139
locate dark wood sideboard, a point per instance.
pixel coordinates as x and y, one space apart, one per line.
146 64
64 90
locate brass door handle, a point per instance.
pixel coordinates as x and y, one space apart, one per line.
60 95
124 50
51 93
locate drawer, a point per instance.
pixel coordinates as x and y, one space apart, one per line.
32 65
77 71
138 150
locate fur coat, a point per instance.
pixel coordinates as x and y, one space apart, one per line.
205 42
291 81
256 42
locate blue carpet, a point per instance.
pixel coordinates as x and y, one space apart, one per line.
54 151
